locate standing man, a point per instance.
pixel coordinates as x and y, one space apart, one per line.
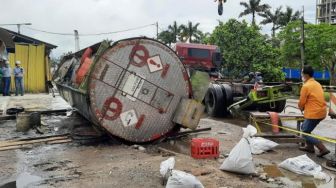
18 75
313 104
6 79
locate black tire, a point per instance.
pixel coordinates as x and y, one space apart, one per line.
228 97
214 101
279 106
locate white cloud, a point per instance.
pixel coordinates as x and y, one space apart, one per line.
96 16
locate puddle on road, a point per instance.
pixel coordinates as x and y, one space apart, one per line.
23 180
273 171
296 180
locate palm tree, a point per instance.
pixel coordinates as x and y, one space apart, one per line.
273 18
190 32
175 30
253 7
289 15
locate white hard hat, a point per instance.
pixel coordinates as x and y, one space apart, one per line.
7 62
17 62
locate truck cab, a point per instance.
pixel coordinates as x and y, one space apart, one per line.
200 57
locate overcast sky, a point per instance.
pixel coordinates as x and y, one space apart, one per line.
96 16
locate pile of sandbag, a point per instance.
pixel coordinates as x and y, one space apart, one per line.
240 159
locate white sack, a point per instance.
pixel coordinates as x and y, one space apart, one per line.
239 159
180 179
249 131
167 166
259 145
303 165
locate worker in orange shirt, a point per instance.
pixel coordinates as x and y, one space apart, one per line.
313 104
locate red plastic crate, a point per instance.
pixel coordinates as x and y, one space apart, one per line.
204 148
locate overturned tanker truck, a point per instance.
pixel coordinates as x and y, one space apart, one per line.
136 89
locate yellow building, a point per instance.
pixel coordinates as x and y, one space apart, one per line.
34 57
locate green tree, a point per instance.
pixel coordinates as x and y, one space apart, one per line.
191 32
273 18
204 38
289 16
320 47
290 48
253 7
245 49
166 37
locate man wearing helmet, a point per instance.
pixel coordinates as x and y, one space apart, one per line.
18 75
6 79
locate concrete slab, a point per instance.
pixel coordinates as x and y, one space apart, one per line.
33 102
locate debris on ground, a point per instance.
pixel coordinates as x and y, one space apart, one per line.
28 142
14 111
138 147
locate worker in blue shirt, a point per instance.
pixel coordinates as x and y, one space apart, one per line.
18 75
6 79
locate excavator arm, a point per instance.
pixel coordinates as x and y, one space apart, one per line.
220 6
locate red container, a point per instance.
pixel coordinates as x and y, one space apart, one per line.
204 148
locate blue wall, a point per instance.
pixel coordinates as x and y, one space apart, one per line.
296 74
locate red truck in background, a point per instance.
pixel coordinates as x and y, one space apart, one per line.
200 57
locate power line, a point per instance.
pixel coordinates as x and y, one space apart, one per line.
18 25
91 34
49 32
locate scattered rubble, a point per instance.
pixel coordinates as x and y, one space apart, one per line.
138 147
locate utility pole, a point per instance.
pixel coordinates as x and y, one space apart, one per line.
157 30
302 41
76 41
18 25
317 12
330 7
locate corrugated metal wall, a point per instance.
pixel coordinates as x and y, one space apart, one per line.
34 61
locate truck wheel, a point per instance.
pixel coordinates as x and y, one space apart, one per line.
279 106
228 97
214 101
